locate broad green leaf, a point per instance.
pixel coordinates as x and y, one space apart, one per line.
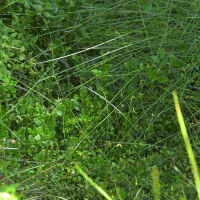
155 59
162 79
34 39
163 62
5 37
14 42
40 130
48 6
13 35
3 70
106 67
76 104
96 72
2 52
38 7
21 133
46 143
22 130
37 122
40 2
31 139
57 41
30 131
5 79
182 47
10 54
47 14
122 193
21 57
132 85
22 49
174 62
58 112
37 137
152 73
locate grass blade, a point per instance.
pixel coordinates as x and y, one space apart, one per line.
187 143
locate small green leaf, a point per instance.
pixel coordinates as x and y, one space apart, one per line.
13 35
155 59
182 47
122 193
58 112
96 72
37 137
31 139
5 37
106 67
152 73
76 104
16 18
162 53
46 143
148 6
22 131
5 79
47 14
2 52
38 122
163 62
34 39
71 3
21 57
162 79
30 131
174 62
38 7
22 49
113 164
130 65
3 70
15 42
132 85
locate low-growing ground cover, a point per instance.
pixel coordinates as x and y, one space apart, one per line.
89 83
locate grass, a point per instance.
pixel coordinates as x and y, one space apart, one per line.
90 83
187 143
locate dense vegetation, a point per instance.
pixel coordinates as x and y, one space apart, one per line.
89 82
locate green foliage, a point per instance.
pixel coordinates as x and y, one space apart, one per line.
89 83
9 192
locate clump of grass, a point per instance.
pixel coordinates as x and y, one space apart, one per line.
93 183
